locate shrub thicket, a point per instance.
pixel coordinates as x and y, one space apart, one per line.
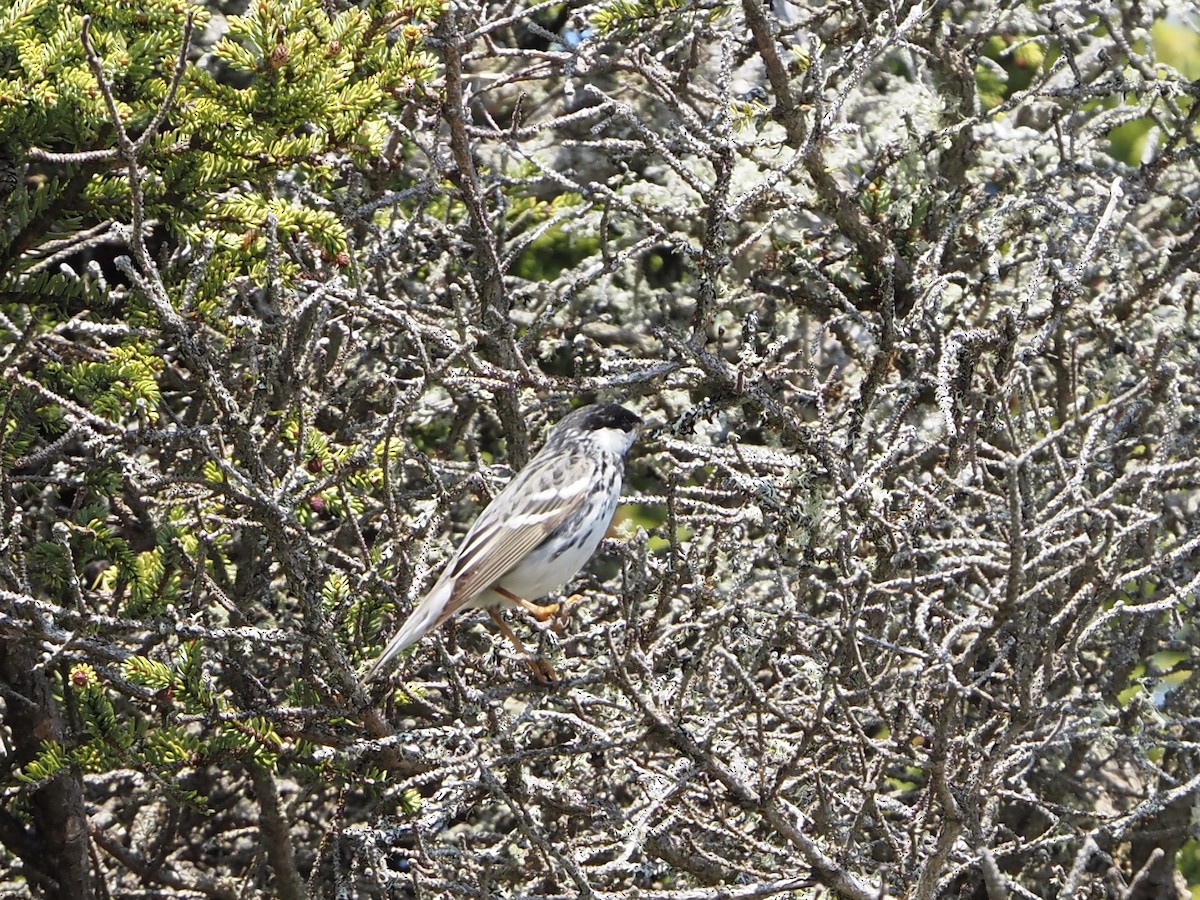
904 599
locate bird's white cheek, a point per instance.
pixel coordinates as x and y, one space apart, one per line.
614 440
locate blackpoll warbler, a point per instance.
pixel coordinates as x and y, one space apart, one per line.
538 532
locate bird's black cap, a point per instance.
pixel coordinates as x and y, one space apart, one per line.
607 415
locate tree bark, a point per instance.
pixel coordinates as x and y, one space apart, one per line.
54 848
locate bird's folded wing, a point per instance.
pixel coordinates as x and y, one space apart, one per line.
524 514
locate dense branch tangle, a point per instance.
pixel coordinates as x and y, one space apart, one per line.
905 604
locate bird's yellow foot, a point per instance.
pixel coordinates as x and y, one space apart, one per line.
542 670
541 613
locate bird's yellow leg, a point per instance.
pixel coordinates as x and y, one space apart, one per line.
542 670
541 613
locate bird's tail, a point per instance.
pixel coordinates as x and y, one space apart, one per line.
425 615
